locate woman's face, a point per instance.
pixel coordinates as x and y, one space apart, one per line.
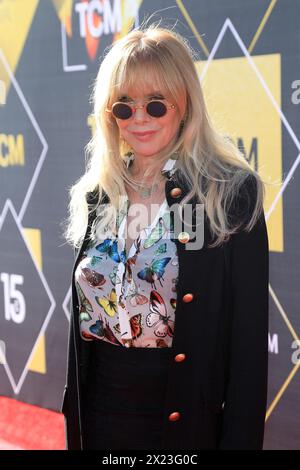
165 127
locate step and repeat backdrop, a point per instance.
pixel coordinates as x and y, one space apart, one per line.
50 51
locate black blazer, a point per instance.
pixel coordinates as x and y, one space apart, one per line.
220 388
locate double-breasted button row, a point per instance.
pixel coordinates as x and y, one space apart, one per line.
175 415
183 237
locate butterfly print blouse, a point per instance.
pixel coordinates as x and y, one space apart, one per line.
130 299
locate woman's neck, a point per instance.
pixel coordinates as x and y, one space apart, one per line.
142 165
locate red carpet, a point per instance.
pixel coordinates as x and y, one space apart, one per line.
29 427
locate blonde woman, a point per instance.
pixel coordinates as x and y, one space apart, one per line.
168 339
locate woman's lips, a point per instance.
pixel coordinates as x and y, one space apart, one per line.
144 136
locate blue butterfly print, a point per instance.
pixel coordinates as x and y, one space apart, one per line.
110 247
98 328
154 272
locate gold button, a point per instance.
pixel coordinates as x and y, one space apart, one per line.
176 192
188 297
180 357
174 416
183 237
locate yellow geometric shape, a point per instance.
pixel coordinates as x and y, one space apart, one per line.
239 106
2 92
16 18
63 9
38 361
261 26
129 10
91 124
192 26
33 238
197 35
282 390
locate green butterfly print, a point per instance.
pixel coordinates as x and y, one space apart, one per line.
161 249
84 316
121 214
114 277
85 306
95 260
163 225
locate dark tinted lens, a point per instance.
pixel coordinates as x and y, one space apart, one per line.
156 109
121 111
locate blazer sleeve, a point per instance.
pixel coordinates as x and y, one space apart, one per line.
69 404
246 391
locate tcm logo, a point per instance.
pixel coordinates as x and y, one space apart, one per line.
11 147
12 150
91 22
98 17
273 344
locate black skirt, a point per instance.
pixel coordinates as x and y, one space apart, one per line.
124 397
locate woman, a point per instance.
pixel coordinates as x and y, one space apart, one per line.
168 341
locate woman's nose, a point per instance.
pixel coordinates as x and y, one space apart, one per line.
141 114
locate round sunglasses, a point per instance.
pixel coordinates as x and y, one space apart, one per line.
154 108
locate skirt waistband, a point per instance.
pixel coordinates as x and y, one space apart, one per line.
122 353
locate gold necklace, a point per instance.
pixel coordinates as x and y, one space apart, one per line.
144 191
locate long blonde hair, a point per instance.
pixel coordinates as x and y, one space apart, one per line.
211 164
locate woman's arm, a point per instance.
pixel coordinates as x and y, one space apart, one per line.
246 394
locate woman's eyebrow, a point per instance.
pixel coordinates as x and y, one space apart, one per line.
155 94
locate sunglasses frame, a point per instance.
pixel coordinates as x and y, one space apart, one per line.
134 108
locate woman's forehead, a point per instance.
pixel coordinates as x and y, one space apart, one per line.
143 90
138 85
